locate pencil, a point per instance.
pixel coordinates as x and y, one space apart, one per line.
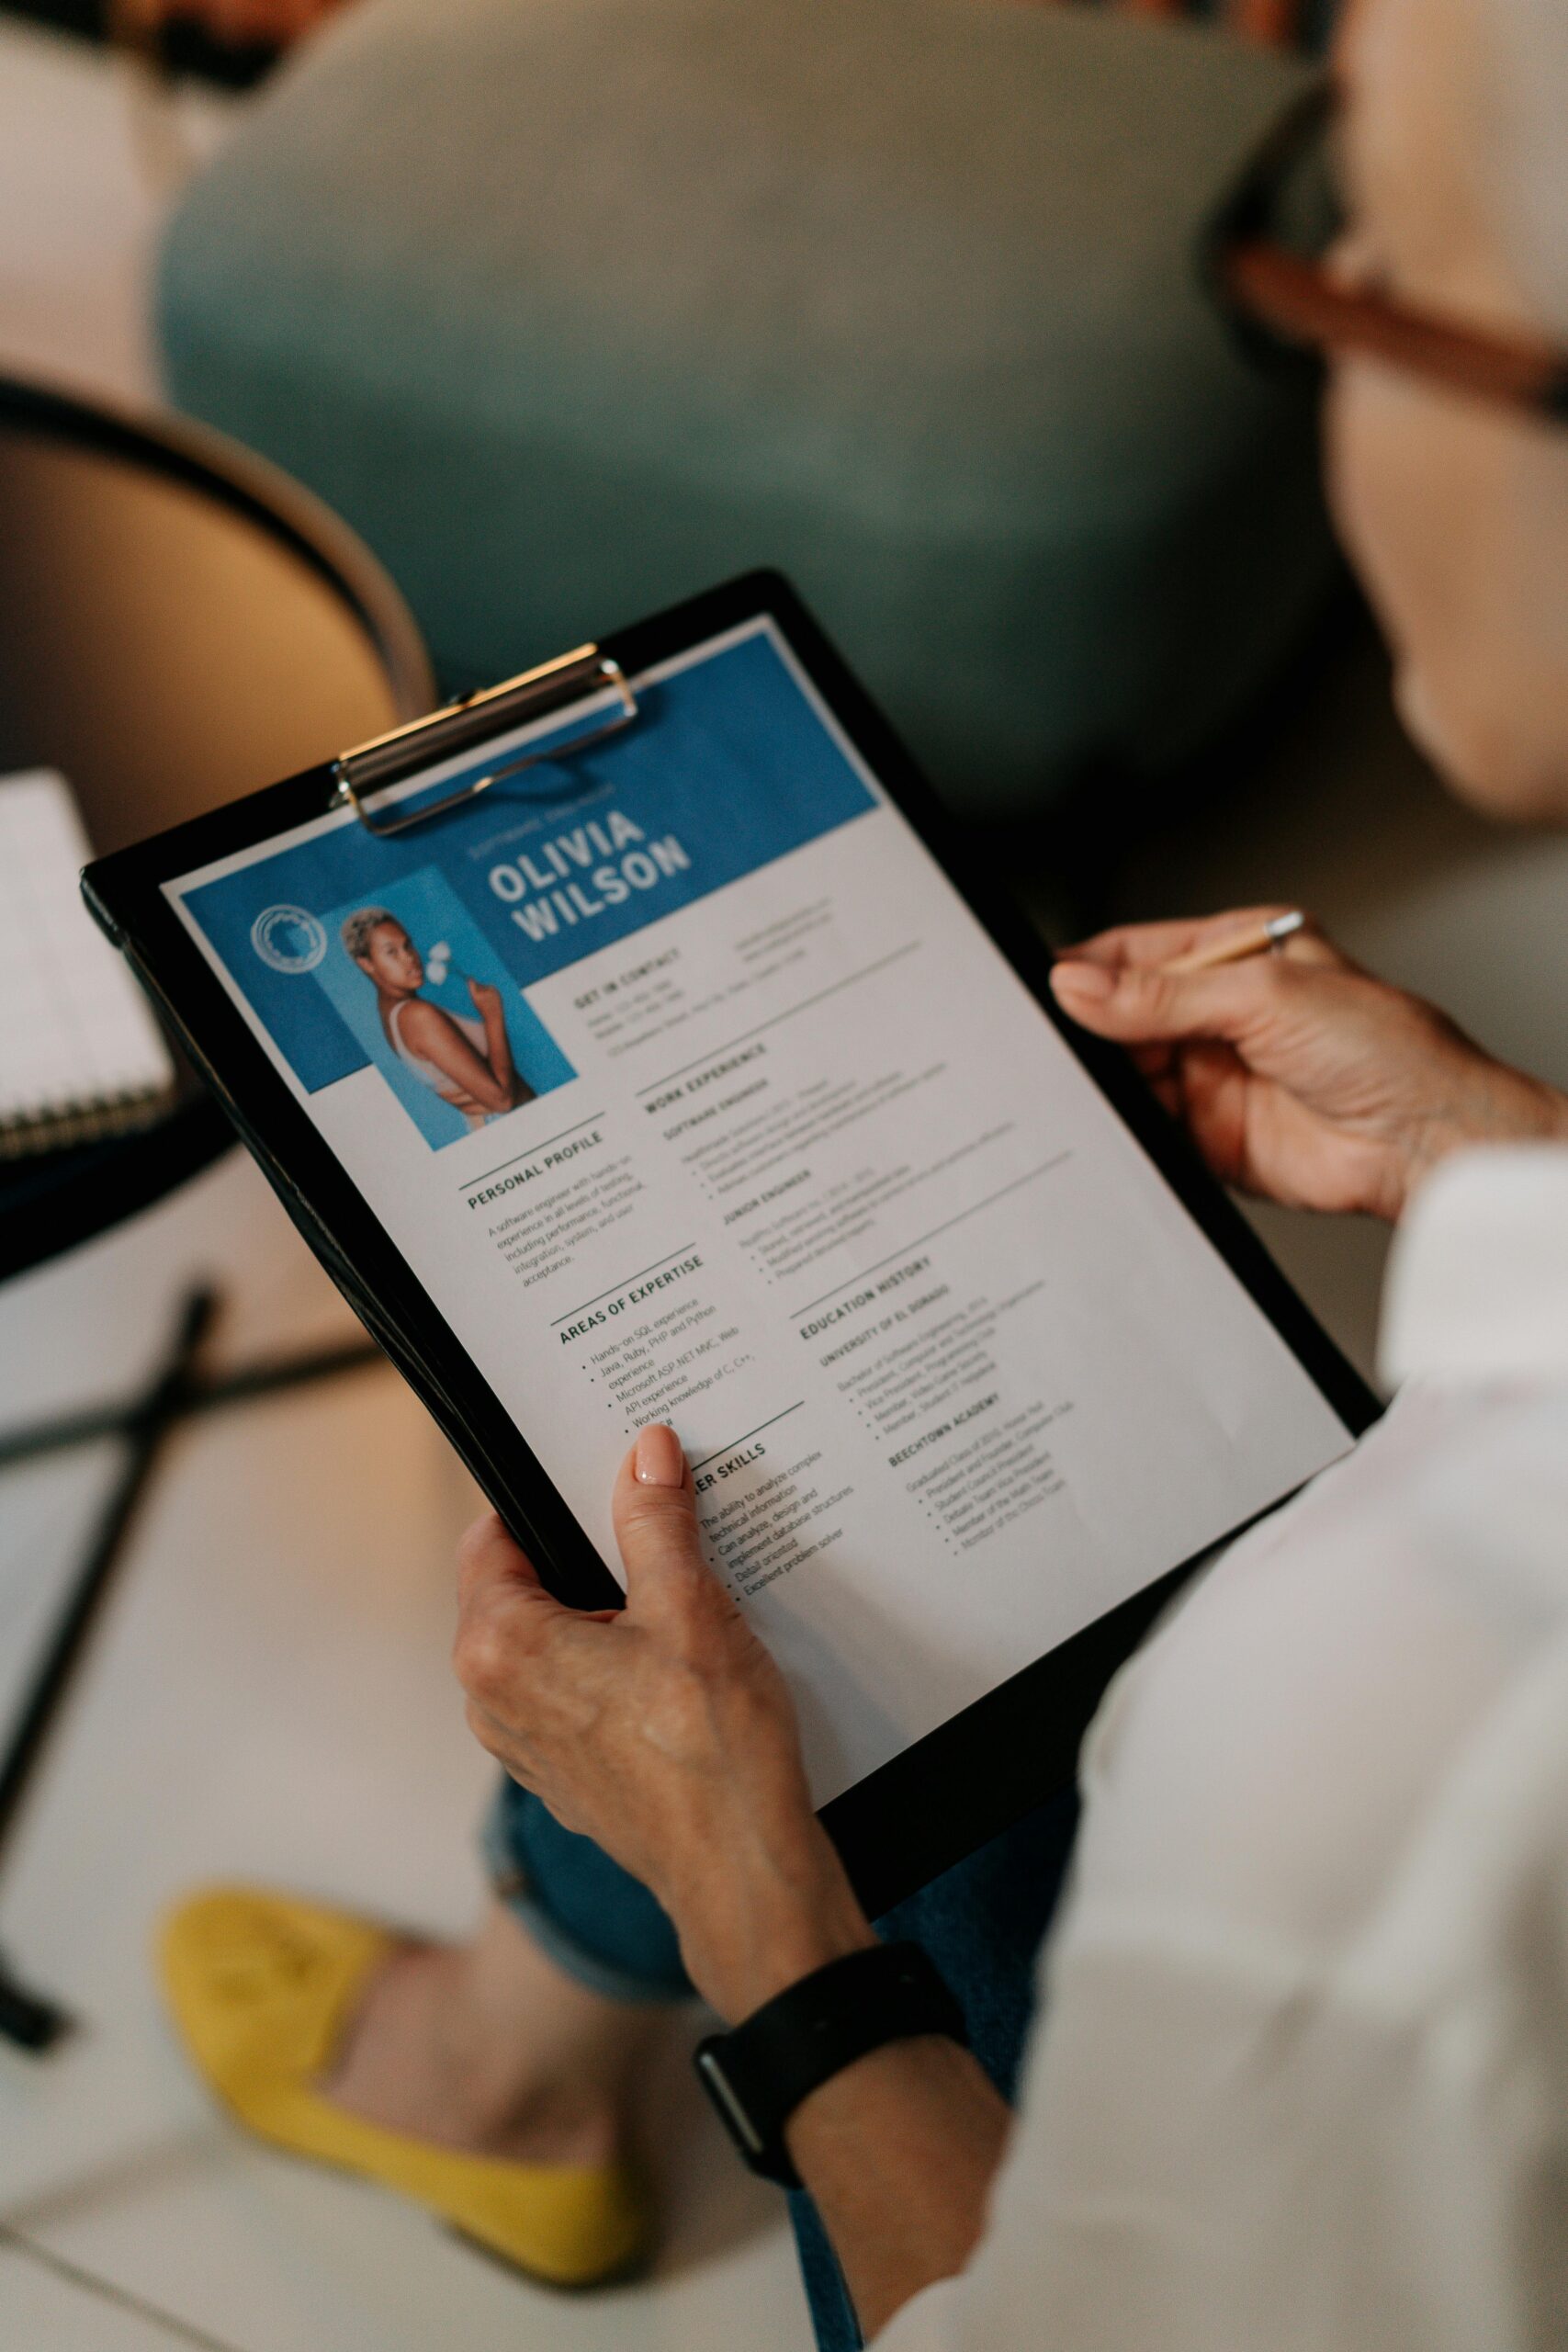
1255 941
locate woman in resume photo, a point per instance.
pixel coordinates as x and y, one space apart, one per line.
1296 2077
465 1060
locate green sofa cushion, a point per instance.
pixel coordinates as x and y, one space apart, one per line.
571 307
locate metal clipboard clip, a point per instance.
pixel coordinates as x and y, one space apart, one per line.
386 760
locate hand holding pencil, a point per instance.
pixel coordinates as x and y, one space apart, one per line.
1299 1076
1264 937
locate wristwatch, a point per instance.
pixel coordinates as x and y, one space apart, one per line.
757 2074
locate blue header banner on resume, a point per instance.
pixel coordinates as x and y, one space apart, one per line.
728 766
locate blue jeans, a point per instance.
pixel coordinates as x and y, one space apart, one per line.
981 1923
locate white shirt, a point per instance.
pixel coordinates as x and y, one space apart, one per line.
1300 2078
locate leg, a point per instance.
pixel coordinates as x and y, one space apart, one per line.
526 2043
982 1922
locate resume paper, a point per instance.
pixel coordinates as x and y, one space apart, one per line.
692 1092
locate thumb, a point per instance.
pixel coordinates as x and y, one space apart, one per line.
655 1512
1142 1004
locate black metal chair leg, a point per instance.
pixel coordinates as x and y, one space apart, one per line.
26 2019
29 2020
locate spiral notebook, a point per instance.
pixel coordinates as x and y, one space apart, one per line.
81 1055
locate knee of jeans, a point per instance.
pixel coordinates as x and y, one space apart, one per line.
597 1922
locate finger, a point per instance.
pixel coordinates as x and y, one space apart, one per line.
1141 1006
493 1571
1312 945
655 1512
1161 942
506 1621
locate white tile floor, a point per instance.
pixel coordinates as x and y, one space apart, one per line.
45 2302
270 1695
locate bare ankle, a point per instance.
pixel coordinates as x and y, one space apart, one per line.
491 2047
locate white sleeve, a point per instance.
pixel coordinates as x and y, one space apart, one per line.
1298 2083
929 2321
1130 2210
1220 2159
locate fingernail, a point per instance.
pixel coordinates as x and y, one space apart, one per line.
1082 980
659 1461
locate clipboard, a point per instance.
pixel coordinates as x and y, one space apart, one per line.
990 1760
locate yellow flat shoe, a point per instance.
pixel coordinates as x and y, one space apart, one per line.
261 1987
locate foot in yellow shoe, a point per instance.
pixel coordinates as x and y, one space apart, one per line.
262 1988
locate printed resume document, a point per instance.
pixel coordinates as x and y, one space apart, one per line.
691 1090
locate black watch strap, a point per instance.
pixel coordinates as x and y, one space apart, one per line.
757 2075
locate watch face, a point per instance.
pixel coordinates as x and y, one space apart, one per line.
773 2163
757 2075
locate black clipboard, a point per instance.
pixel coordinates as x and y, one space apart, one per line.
987 1766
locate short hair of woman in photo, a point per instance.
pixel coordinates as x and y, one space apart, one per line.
465 1061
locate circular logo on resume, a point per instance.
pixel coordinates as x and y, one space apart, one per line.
289 938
